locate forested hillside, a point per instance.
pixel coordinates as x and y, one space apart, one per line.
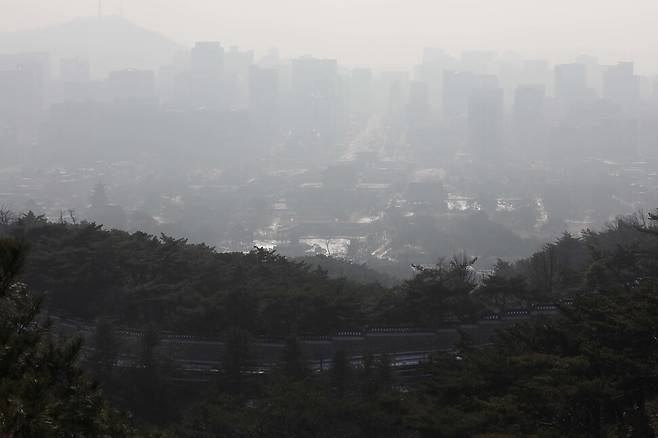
143 280
591 371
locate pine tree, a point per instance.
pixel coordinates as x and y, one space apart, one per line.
43 390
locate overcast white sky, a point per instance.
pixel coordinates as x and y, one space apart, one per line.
383 32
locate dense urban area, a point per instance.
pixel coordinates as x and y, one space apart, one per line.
205 242
310 157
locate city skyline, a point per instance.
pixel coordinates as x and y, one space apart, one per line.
358 34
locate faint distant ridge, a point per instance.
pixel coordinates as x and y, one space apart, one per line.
110 43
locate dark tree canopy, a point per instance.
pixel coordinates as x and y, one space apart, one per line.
44 392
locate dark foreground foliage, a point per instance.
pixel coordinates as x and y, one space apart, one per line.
591 372
141 280
43 390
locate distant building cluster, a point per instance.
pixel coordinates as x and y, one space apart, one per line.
479 153
225 103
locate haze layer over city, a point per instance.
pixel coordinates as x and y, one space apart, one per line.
237 147
328 218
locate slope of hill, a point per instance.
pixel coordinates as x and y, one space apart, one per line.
110 43
141 280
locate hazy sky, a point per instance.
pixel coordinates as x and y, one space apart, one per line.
382 32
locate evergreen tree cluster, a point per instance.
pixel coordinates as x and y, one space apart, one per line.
591 371
44 392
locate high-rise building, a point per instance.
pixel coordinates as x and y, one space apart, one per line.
485 121
594 72
435 62
529 103
263 88
271 59
571 84
204 82
313 77
23 94
458 88
130 84
34 67
236 74
654 89
315 97
393 91
529 121
418 108
264 102
360 92
620 85
535 71
19 94
207 59
75 82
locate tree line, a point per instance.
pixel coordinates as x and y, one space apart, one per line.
590 372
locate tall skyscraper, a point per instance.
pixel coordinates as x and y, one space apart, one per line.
418 108
529 103
571 84
204 80
435 62
535 71
264 103
458 88
207 59
529 128
360 93
485 121
236 73
620 85
130 84
315 99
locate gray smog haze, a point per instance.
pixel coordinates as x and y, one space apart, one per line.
381 32
383 132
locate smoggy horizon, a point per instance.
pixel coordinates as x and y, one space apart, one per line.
379 34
